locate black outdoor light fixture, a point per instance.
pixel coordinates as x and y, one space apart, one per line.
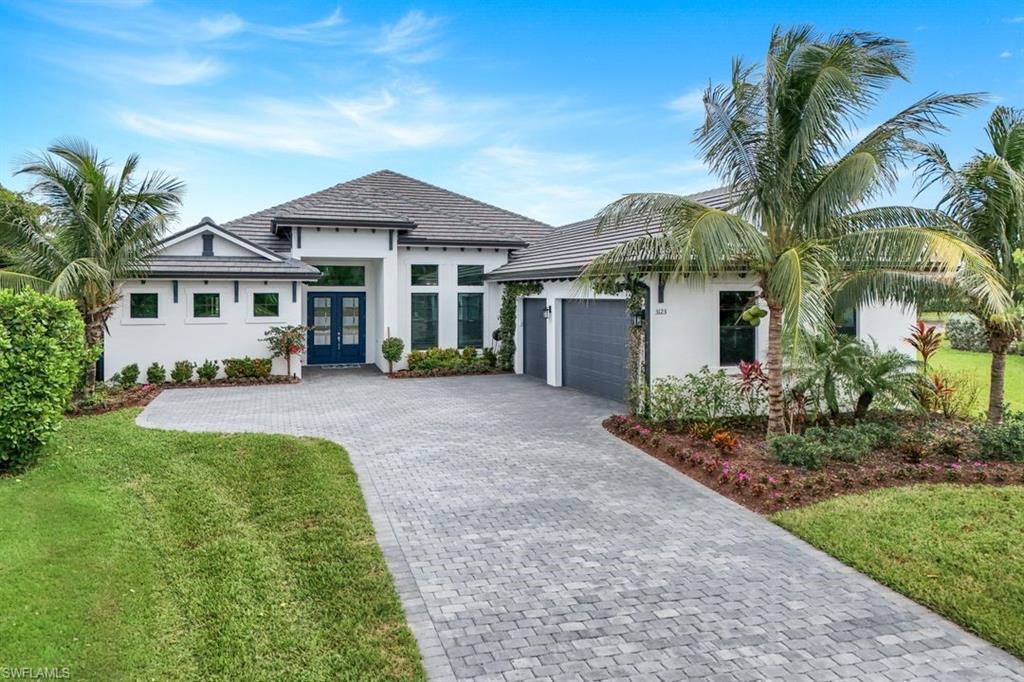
638 318
547 312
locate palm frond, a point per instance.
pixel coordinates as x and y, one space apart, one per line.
799 282
10 279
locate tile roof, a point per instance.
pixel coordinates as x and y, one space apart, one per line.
232 267
428 214
568 249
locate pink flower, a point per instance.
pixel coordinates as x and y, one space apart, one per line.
743 476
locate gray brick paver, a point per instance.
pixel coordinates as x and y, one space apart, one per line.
526 542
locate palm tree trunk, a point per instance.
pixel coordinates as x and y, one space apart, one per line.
94 322
776 407
998 344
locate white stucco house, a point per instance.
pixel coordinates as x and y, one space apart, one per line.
387 254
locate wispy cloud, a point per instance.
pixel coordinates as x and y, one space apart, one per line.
1005 54
689 104
410 39
220 27
1016 20
167 69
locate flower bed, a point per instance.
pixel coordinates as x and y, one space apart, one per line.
753 477
443 372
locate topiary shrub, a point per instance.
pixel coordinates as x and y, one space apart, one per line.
966 333
129 376
391 348
208 370
247 368
156 374
42 356
182 371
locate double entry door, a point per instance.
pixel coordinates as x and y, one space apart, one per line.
337 328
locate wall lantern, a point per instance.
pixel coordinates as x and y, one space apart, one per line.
638 318
547 312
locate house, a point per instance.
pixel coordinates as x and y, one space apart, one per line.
386 254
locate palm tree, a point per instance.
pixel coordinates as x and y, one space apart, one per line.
100 227
780 137
986 197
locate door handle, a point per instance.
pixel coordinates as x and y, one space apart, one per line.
339 339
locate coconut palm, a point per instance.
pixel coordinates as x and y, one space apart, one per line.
986 197
780 137
101 226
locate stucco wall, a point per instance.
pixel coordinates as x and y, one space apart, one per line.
175 335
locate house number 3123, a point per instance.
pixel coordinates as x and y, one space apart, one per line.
661 311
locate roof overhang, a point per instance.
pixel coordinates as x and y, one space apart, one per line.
191 274
207 225
283 222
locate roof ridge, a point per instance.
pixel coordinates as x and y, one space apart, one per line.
349 192
283 203
458 194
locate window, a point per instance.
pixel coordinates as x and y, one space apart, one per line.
205 305
736 338
471 320
424 275
341 276
424 321
471 275
143 306
846 322
264 305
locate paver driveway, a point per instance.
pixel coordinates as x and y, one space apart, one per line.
526 542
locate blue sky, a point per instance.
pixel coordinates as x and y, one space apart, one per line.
548 109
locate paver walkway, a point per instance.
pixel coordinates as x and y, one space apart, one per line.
528 543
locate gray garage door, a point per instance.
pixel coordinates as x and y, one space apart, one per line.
594 347
535 338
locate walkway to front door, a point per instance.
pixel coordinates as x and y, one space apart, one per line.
526 542
337 332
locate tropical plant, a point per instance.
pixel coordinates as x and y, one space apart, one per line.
505 334
392 348
824 374
101 226
208 370
285 341
797 216
128 376
926 340
986 198
753 385
877 373
182 371
156 374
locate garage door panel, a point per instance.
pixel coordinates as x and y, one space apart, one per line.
535 338
594 347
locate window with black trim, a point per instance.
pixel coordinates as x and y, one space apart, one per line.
143 306
424 321
736 338
341 276
205 305
265 304
846 322
424 275
471 320
471 275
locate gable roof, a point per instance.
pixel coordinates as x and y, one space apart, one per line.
567 250
208 225
423 213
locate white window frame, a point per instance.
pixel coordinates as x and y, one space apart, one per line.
190 291
250 304
162 300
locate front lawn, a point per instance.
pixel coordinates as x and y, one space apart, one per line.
978 365
165 555
956 549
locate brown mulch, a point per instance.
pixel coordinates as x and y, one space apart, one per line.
752 477
142 394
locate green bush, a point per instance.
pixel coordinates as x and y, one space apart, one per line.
451 359
182 371
1001 441
704 396
247 368
208 370
42 355
391 348
490 358
469 354
128 376
848 444
797 451
156 374
966 333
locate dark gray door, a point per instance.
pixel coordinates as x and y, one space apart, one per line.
594 347
535 338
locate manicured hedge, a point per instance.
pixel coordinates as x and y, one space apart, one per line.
42 354
248 368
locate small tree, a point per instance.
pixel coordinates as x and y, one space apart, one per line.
926 340
286 341
392 349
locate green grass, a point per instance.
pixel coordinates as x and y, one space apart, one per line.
132 553
956 549
978 365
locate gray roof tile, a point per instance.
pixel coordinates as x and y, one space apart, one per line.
229 267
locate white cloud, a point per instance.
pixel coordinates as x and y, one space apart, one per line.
222 26
1005 54
173 69
1016 20
690 104
409 38
319 31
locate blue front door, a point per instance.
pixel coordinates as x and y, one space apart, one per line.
337 328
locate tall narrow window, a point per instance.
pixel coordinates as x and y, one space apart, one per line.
424 321
143 306
205 305
471 320
846 322
265 304
423 275
736 338
471 275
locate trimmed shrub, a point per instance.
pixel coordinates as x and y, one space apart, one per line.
391 348
445 359
208 370
966 333
182 371
129 376
247 368
489 357
42 356
703 396
1001 441
156 374
797 451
